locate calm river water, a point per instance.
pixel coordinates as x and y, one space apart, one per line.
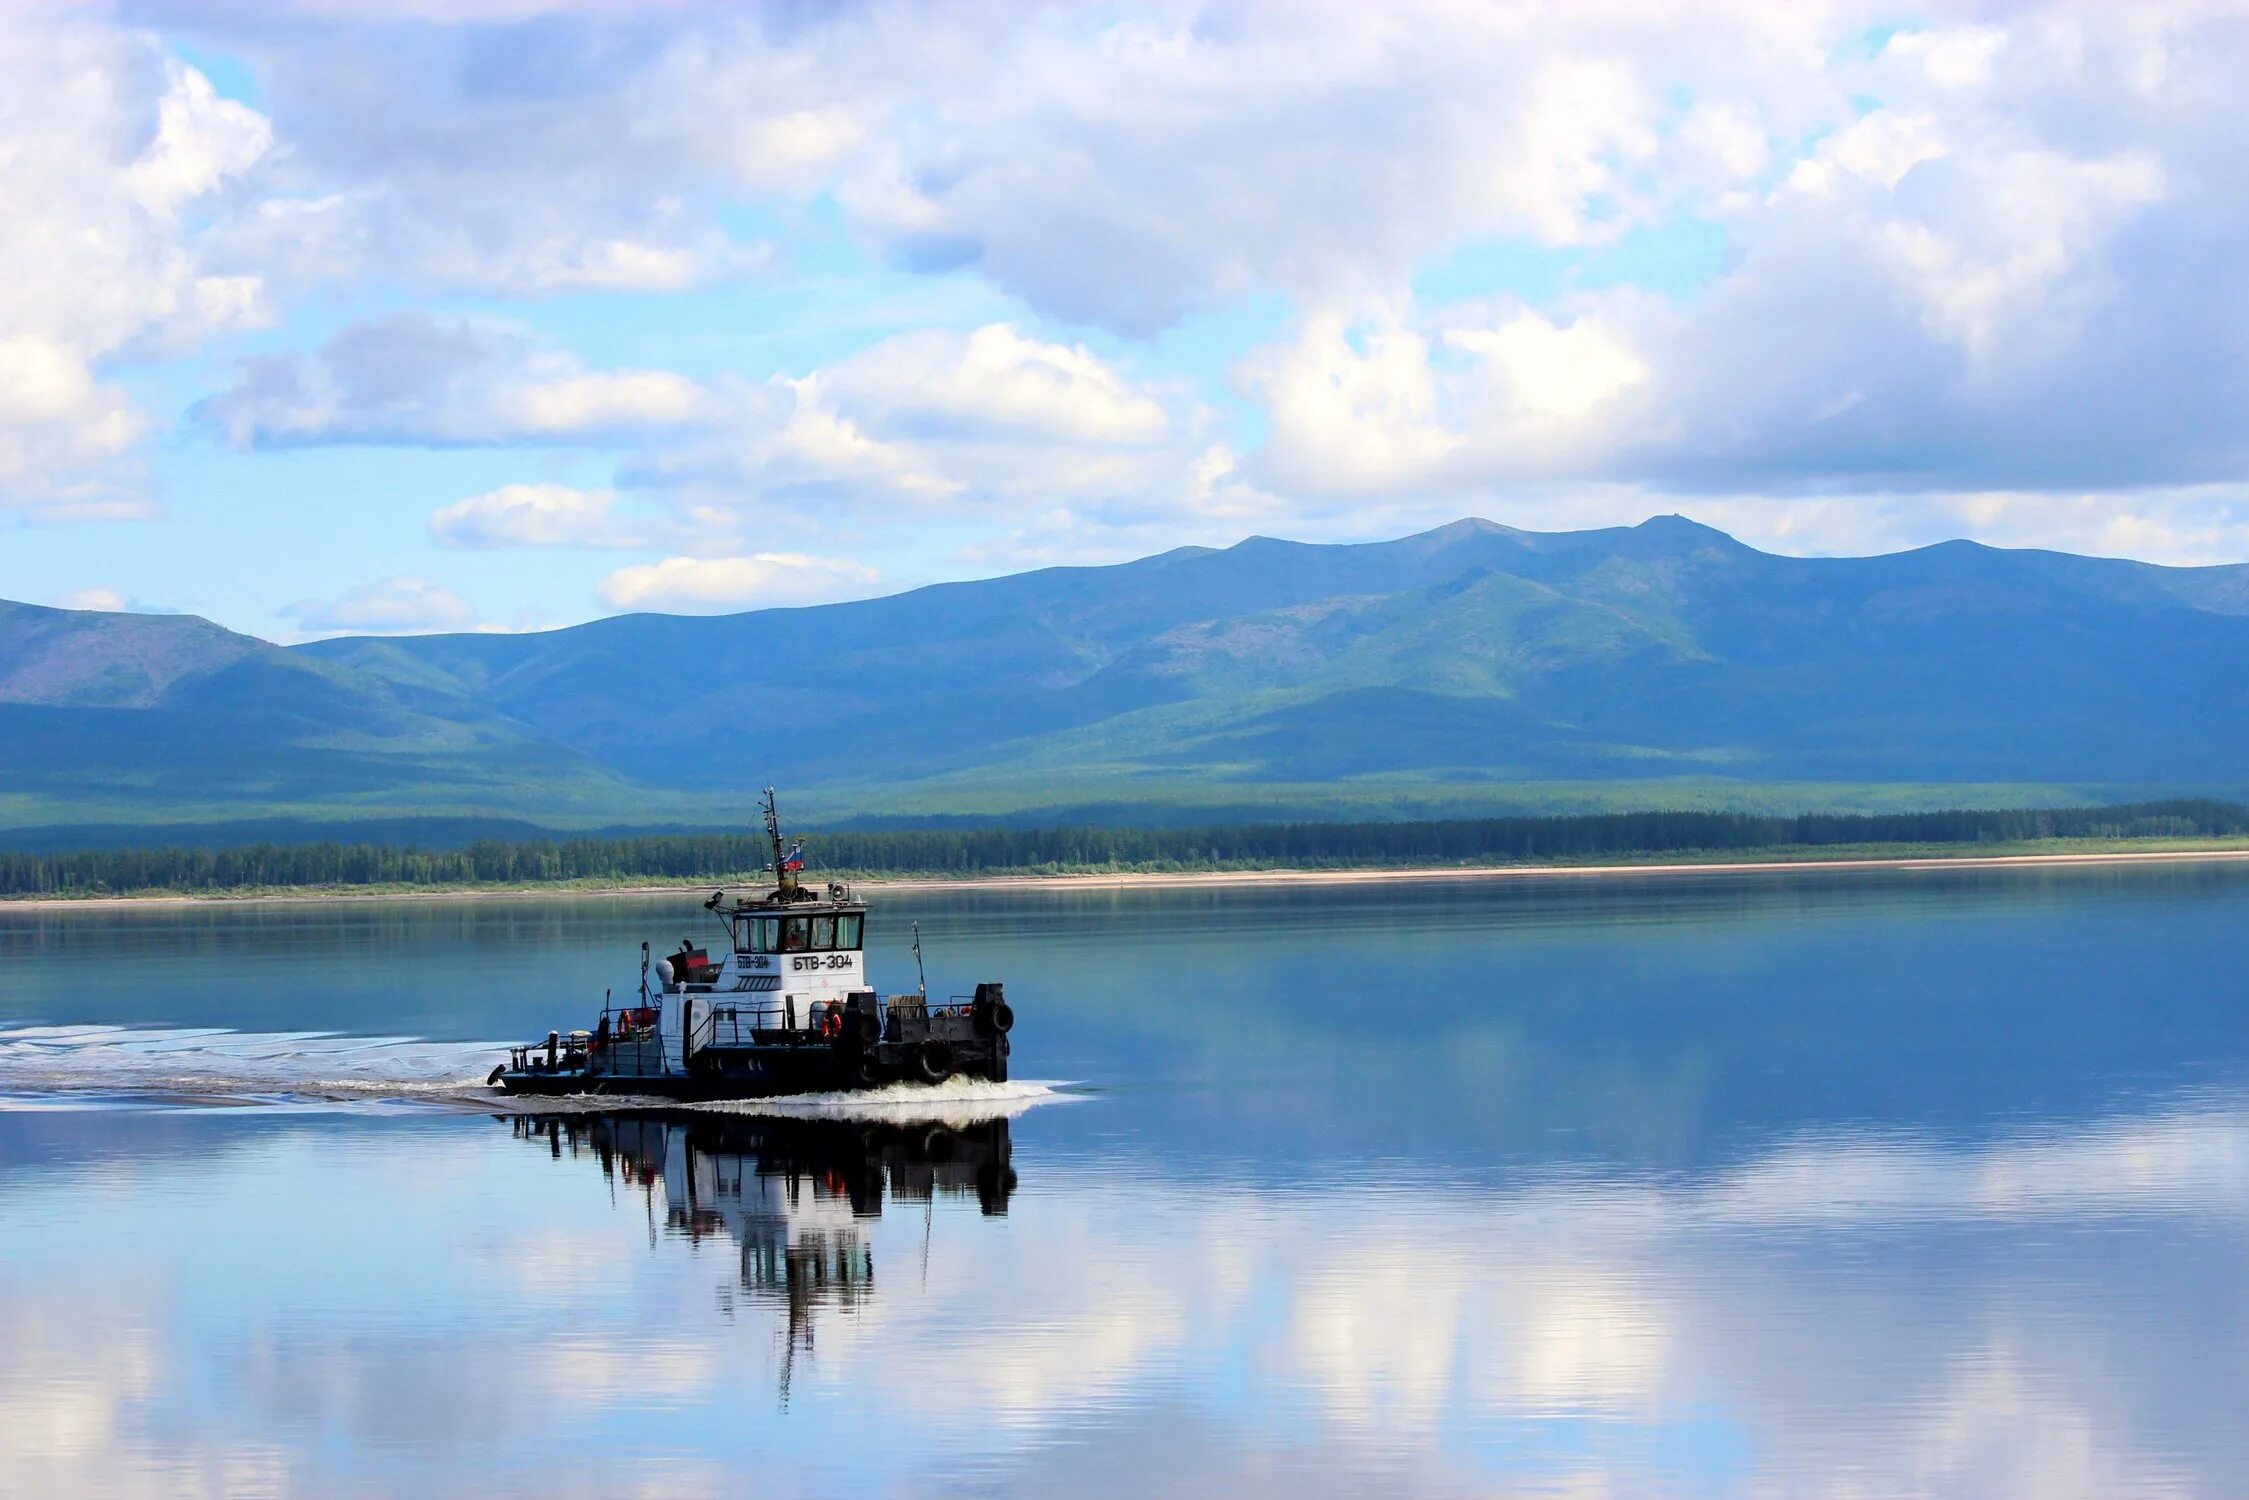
1796 1185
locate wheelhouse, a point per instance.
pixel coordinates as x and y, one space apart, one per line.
841 929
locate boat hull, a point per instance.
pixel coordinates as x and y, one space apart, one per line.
674 1086
768 1072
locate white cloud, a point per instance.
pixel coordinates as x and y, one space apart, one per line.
1720 145
1132 168
1119 163
99 598
514 155
1955 58
1549 371
944 422
416 379
1376 407
1990 282
1350 409
393 606
105 145
1881 147
2040 215
932 423
711 585
2181 526
560 405
994 382
1985 256
531 515
201 141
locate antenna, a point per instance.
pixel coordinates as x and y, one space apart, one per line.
784 875
919 972
773 828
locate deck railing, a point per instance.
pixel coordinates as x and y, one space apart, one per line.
637 1028
737 1025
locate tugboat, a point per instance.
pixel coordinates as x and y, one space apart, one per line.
783 1009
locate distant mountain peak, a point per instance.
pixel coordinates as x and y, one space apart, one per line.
1672 520
1472 526
1675 525
101 658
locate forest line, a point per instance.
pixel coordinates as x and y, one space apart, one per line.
941 852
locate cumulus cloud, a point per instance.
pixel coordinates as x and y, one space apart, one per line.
995 382
413 378
1964 252
1119 163
991 422
1378 405
1136 172
1983 283
507 151
531 515
1987 253
105 147
393 606
938 420
101 599
714 585
924 424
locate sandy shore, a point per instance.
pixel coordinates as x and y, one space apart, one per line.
1214 878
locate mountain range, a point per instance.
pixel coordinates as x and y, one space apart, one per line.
1471 661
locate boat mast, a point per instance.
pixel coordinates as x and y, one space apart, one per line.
782 873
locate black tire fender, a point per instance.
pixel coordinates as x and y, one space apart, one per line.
933 1061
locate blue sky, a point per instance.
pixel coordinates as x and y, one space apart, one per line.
502 316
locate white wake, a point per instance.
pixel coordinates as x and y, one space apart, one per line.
38 1064
65 1067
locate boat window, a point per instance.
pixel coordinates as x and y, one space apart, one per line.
823 932
761 934
847 931
793 934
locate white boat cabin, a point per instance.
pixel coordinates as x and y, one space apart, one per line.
786 963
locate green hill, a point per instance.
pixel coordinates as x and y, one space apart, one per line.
140 718
1473 667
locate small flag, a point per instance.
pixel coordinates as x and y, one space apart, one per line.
794 859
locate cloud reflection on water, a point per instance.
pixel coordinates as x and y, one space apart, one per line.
2053 1315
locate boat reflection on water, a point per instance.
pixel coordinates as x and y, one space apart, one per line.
793 1192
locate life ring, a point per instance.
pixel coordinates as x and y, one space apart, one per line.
831 1021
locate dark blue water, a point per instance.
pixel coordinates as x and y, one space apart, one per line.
1819 1184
